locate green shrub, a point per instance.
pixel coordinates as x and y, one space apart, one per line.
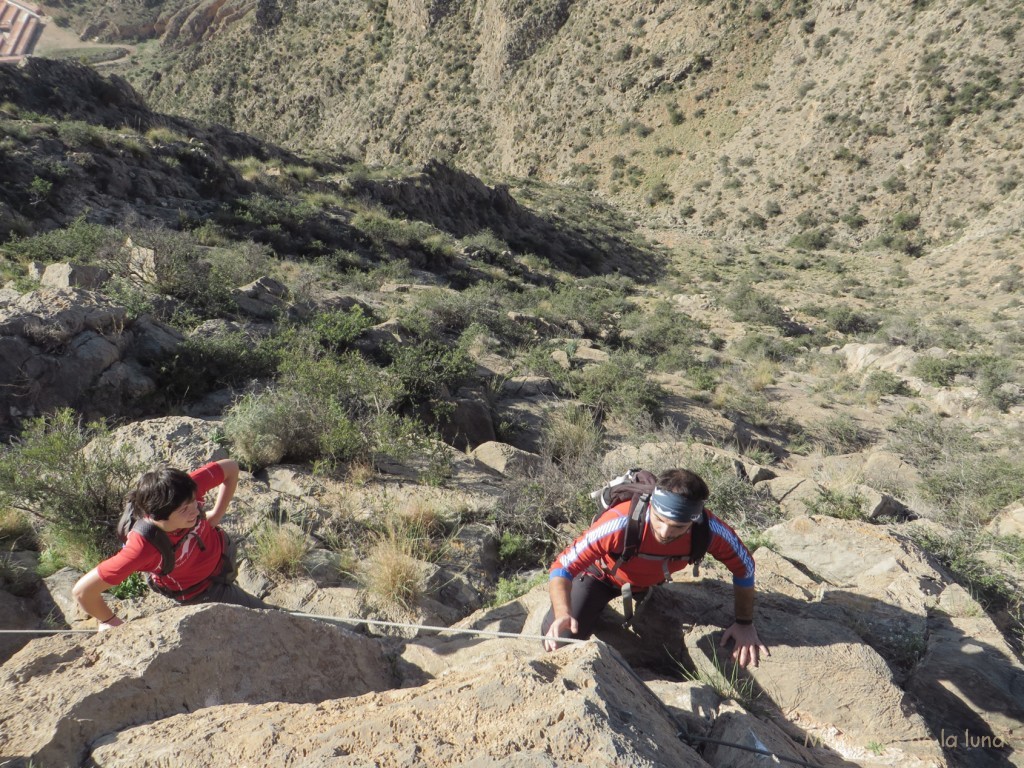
845 506
815 239
275 424
428 368
748 305
75 492
847 320
885 383
337 330
937 371
618 388
202 364
78 243
663 334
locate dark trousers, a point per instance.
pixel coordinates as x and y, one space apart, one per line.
588 598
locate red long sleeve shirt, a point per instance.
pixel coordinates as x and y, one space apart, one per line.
193 565
596 548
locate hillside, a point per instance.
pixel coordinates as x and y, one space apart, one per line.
837 123
426 330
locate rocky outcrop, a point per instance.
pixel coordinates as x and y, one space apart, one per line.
73 347
583 707
61 694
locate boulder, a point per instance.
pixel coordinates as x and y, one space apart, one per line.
580 707
73 276
793 493
59 694
506 459
469 424
16 613
828 683
264 298
179 441
972 685
1009 522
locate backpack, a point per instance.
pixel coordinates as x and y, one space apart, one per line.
150 533
637 485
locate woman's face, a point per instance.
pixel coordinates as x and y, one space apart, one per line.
184 516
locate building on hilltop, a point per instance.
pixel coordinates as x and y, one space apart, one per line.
20 27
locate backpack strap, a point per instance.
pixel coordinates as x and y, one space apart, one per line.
631 542
700 539
155 536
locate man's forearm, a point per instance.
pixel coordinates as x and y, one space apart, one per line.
744 604
560 591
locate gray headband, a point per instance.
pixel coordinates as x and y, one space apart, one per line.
673 506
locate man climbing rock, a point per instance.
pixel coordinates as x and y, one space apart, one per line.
638 543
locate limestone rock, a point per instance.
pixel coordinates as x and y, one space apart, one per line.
506 459
470 423
264 298
579 707
830 685
16 613
972 685
1009 522
793 493
179 441
59 694
73 276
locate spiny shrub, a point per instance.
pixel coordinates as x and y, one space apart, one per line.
267 427
748 305
71 478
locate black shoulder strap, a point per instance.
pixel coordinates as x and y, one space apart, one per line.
700 539
637 510
158 539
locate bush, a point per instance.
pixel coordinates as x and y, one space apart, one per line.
280 423
391 574
279 549
847 320
885 383
748 305
618 388
572 435
71 478
78 243
812 239
938 372
663 334
845 506
202 364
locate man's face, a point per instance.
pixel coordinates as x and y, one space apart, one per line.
184 516
666 530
